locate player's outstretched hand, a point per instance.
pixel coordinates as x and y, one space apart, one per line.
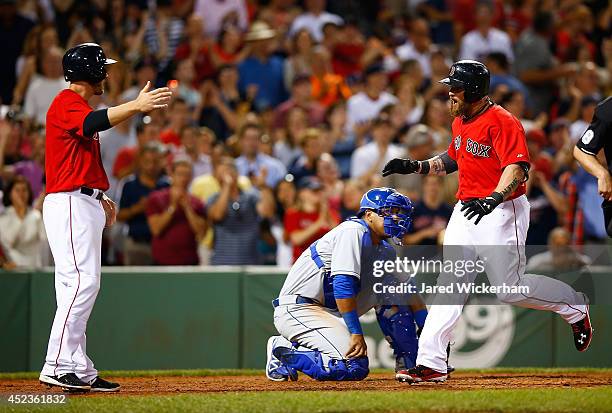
357 347
400 166
482 206
149 100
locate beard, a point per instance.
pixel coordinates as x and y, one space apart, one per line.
458 108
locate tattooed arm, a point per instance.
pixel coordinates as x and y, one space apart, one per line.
441 164
512 176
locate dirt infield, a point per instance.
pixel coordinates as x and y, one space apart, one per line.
383 382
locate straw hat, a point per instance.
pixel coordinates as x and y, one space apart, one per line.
260 31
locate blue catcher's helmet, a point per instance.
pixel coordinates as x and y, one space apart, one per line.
395 208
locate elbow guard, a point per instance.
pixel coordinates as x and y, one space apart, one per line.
450 165
96 121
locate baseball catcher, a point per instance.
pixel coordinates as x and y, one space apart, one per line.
317 311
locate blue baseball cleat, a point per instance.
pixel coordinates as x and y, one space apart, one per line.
275 369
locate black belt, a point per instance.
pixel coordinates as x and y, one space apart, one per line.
298 300
90 192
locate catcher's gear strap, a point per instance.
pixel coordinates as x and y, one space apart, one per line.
96 121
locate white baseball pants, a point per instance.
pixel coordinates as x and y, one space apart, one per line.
498 240
74 223
314 327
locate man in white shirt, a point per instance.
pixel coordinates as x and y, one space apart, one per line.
365 106
418 47
314 19
217 13
45 87
560 255
370 158
484 39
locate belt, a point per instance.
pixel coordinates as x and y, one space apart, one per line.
90 192
292 299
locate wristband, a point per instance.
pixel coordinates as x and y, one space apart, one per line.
499 198
352 322
419 317
424 167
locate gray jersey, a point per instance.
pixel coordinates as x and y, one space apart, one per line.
345 250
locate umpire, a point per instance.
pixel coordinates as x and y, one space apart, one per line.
596 137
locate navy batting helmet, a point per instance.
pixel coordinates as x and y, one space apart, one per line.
86 62
395 208
471 76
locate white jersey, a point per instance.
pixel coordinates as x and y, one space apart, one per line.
345 250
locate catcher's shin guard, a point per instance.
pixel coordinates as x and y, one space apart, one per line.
397 324
311 363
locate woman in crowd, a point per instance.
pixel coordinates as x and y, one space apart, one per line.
299 62
23 234
228 49
437 118
287 146
342 142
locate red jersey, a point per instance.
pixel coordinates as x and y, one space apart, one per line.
72 160
483 147
177 244
296 220
125 160
169 137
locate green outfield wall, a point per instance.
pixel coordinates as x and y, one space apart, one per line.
178 318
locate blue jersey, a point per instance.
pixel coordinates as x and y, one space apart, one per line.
345 250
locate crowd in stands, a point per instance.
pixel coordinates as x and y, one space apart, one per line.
284 113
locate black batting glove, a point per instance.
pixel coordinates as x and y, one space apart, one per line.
400 166
482 206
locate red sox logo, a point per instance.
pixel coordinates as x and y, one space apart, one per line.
457 142
477 149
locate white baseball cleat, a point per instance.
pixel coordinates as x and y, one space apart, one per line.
275 369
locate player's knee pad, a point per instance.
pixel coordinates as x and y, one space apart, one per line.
397 324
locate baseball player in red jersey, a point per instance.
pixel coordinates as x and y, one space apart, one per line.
76 210
490 221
